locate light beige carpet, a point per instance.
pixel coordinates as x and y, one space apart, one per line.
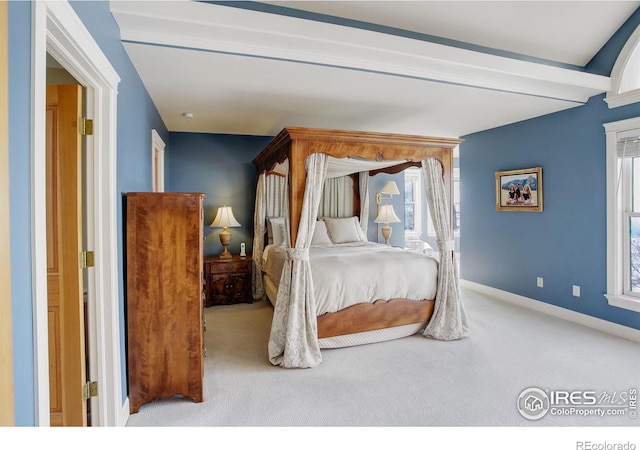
413 381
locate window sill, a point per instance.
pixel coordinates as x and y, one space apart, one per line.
624 302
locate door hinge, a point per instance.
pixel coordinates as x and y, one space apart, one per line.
90 389
86 128
86 259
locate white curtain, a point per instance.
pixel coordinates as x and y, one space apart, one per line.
259 228
275 194
338 167
337 198
449 320
293 341
363 185
271 193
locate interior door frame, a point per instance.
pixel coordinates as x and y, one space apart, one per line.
56 29
157 156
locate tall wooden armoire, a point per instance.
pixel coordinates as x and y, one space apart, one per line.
164 307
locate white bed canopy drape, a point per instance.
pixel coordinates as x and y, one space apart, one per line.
271 193
364 201
259 229
294 334
275 194
339 167
449 320
337 197
293 341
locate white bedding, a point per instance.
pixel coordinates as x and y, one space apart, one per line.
347 274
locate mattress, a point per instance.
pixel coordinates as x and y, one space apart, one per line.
346 274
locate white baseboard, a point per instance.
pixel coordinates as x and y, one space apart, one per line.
556 311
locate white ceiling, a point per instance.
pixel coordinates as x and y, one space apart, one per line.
248 72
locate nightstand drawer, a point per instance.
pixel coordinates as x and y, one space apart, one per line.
228 266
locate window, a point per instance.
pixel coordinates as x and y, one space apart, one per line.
625 84
414 199
623 214
412 203
456 200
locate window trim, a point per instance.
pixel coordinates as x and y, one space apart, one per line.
615 221
625 67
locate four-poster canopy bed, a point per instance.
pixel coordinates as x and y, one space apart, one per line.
305 157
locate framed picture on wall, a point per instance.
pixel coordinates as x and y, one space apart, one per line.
519 190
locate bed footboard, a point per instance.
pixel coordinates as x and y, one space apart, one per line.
374 316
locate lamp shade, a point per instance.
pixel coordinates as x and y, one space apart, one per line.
224 218
386 215
390 188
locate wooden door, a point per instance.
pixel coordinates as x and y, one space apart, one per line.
64 244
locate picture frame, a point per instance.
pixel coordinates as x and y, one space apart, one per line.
519 190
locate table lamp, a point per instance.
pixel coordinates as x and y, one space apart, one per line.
386 216
224 218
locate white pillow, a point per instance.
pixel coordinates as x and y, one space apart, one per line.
344 229
273 228
320 234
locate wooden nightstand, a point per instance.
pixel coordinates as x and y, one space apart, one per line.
227 281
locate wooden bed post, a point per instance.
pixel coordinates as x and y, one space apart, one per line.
297 181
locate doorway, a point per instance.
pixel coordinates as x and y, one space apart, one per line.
58 31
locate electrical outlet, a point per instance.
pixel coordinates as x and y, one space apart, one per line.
576 291
540 282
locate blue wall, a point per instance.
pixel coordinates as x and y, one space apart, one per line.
137 115
20 202
566 243
221 167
